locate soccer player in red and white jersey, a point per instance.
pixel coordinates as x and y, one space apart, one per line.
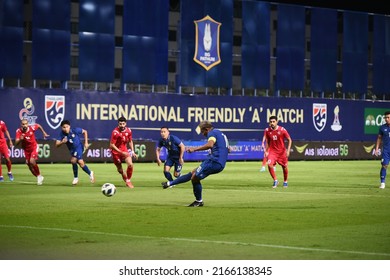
26 135
275 149
121 136
4 152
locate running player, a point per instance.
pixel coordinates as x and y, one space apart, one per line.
175 148
122 136
384 138
71 137
275 149
26 135
4 152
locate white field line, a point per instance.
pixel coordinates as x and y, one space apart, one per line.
199 240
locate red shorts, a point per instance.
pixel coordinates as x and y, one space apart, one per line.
118 158
281 159
29 154
4 150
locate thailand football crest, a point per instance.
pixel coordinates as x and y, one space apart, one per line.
54 110
207 42
319 116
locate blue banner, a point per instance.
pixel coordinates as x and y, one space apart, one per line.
11 37
381 55
255 48
145 42
290 48
355 56
191 73
241 118
323 61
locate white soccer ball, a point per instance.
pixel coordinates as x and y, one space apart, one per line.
108 189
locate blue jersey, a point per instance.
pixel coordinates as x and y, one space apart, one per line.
74 141
219 152
384 131
172 145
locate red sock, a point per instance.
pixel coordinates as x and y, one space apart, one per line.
285 173
124 177
36 170
129 172
272 172
9 165
32 170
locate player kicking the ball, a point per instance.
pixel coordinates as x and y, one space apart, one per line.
215 162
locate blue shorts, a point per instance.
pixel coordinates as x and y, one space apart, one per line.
385 157
173 162
77 153
208 167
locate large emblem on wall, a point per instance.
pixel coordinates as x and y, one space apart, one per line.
207 42
319 116
54 110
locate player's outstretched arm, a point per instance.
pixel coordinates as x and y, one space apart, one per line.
158 149
378 143
45 135
85 133
133 154
9 138
206 146
181 155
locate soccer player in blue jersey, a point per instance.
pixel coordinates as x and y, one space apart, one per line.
384 138
175 148
71 137
215 162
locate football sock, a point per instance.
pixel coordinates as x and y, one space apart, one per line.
9 165
272 172
31 169
383 174
168 175
197 187
181 179
285 173
75 170
129 172
86 170
124 177
36 170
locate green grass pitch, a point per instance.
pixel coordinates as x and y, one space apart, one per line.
332 210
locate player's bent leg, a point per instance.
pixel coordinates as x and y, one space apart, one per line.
182 179
9 167
120 171
168 175
197 190
383 173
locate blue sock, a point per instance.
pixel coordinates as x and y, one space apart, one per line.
86 170
197 187
168 175
75 170
181 179
383 174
